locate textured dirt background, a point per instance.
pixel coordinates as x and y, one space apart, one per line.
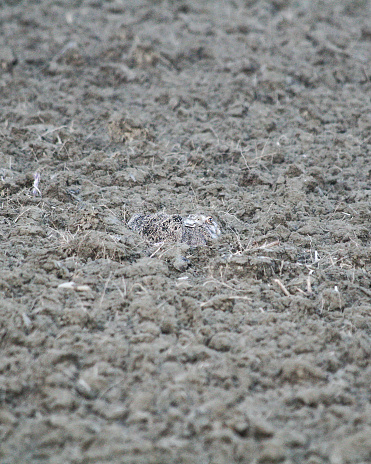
255 112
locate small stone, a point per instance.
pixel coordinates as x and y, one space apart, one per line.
7 59
180 263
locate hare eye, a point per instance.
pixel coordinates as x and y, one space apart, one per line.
209 220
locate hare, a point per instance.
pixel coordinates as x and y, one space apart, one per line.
194 230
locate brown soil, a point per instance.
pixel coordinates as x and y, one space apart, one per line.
255 112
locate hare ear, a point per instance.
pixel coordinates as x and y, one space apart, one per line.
189 222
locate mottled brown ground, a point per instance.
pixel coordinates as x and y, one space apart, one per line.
256 112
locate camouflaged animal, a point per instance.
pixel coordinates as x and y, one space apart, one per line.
194 230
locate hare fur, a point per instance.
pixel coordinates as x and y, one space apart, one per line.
194 230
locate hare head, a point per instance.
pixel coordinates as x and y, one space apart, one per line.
207 223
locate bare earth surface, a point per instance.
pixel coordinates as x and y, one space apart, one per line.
255 349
